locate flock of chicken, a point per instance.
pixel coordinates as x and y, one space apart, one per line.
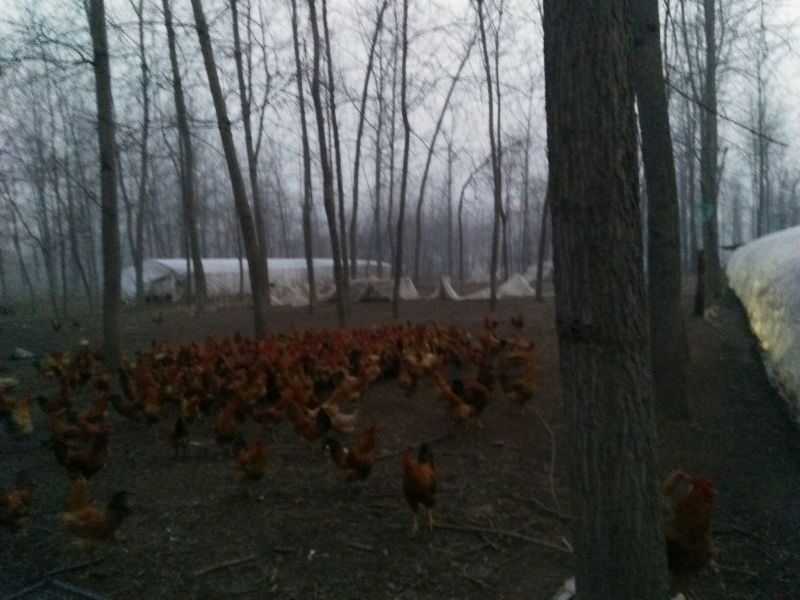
308 378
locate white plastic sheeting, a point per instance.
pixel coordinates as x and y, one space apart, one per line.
765 274
166 278
514 287
376 290
444 290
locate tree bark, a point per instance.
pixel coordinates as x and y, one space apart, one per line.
327 174
307 189
669 345
398 261
108 186
601 302
250 241
709 154
187 170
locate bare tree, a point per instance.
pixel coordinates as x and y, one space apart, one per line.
108 186
431 148
327 173
667 328
249 238
337 150
187 175
245 98
379 167
601 301
398 258
307 191
497 176
361 117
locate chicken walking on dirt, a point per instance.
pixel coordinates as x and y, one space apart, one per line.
419 484
93 525
687 503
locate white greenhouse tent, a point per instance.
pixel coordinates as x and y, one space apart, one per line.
166 278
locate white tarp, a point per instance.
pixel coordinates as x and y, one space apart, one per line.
376 290
444 290
166 278
765 274
514 287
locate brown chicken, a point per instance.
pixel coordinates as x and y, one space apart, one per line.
251 461
515 367
93 525
687 502
15 503
474 394
457 409
16 413
419 484
355 461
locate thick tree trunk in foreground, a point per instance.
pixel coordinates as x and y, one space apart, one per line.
667 327
112 285
601 302
254 264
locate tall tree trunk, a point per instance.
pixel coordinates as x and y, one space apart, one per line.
450 156
23 267
392 136
378 172
337 151
431 148
709 154
254 263
187 172
496 174
252 166
108 186
327 174
669 345
601 302
543 235
360 131
398 261
307 190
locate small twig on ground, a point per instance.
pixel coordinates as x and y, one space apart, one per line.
360 546
477 580
512 534
76 567
739 570
223 565
552 458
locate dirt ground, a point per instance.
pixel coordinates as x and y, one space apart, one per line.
305 533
